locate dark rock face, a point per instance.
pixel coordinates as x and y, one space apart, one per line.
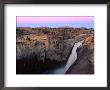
39 49
60 53
84 63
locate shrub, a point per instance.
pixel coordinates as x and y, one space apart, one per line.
45 31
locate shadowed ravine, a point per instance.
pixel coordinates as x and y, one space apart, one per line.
72 58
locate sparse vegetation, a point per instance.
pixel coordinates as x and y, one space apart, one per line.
45 31
41 49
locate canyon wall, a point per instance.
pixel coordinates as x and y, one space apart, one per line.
46 43
41 49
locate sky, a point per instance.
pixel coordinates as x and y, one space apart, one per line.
54 22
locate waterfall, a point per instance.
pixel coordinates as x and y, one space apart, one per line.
72 58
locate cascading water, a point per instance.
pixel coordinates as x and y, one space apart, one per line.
73 55
71 60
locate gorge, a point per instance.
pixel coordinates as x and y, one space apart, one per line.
72 58
54 50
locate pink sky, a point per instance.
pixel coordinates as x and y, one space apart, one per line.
53 19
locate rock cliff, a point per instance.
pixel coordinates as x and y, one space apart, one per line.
52 46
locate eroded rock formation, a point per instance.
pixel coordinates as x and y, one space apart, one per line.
52 44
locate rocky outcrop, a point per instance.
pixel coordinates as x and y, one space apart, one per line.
44 47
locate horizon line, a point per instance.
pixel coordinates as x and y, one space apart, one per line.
56 27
